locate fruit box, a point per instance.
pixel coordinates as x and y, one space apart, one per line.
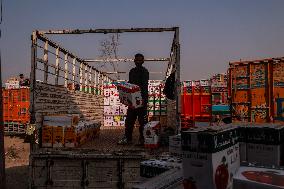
263 143
151 134
249 177
47 134
130 95
210 157
58 136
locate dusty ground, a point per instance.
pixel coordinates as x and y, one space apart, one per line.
16 162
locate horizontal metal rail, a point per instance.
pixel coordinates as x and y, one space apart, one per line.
105 31
127 60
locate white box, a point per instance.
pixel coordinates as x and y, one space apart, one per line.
130 95
151 134
106 92
106 101
210 157
258 178
108 120
107 110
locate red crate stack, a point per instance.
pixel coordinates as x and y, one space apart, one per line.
196 102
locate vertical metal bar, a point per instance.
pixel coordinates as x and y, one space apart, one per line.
177 83
56 66
2 153
99 82
90 80
102 84
74 72
33 77
45 59
95 81
81 75
66 70
86 79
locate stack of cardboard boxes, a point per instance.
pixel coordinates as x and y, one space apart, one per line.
67 131
157 103
114 110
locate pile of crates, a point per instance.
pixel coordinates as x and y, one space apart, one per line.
256 89
16 103
114 111
67 131
196 102
157 103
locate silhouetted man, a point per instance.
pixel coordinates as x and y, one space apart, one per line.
138 76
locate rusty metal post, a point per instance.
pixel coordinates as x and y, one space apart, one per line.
2 153
66 70
45 59
56 66
177 83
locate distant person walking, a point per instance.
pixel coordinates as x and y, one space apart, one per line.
138 76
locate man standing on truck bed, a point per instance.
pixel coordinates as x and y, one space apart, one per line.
138 76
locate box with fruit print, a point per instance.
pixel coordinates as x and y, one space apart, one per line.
213 152
251 177
130 95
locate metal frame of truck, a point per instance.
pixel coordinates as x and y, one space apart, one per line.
89 78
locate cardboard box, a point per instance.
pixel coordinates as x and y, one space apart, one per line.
58 136
258 178
61 120
130 95
263 143
151 134
106 101
175 145
70 137
47 134
213 152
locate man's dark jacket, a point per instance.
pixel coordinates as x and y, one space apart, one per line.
140 76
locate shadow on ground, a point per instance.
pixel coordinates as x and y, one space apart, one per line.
17 177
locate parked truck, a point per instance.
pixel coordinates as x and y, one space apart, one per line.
68 84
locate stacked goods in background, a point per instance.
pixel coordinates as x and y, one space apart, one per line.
262 143
114 111
67 131
210 151
256 90
253 176
12 83
219 90
157 103
196 102
16 103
